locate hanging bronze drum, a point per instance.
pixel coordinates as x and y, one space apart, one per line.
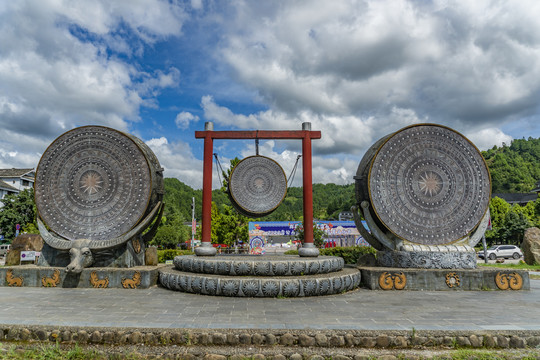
426 184
97 183
257 185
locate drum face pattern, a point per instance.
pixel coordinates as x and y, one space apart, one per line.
429 185
93 182
257 185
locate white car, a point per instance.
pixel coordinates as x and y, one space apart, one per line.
502 251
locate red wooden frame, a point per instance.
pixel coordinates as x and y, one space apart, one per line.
305 135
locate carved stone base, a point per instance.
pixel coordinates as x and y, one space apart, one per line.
256 265
427 259
140 277
381 278
256 286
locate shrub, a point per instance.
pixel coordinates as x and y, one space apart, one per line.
170 254
349 254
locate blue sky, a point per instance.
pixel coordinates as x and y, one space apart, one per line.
357 70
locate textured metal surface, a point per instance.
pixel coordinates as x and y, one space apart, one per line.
429 185
257 186
97 183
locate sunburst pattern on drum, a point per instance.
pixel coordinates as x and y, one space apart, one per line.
92 182
257 185
429 185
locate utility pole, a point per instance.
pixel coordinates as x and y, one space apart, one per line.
193 222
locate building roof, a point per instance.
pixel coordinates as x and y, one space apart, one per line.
6 186
14 172
513 198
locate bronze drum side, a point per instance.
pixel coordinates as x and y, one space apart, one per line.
257 185
96 183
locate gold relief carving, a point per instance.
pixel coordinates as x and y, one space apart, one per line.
452 280
512 281
136 245
97 282
389 281
133 282
12 280
51 281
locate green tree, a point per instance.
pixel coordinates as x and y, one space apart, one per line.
166 237
515 224
18 209
232 227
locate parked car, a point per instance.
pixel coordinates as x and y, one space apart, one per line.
4 249
502 251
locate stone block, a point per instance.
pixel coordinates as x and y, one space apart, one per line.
517 342
531 246
321 339
306 340
287 339
150 256
23 242
270 339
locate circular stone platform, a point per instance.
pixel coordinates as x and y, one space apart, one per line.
257 265
260 286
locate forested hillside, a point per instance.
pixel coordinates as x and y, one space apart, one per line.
328 201
514 168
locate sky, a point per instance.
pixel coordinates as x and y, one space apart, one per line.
357 70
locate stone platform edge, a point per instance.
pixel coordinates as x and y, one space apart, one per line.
269 339
140 277
381 278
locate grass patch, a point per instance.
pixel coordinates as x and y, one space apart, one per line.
51 352
520 266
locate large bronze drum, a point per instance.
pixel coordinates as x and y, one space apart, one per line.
426 184
257 185
94 182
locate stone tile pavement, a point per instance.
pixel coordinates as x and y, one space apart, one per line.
358 310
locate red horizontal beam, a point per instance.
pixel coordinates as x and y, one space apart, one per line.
259 134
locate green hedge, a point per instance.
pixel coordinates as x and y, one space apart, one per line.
170 254
349 254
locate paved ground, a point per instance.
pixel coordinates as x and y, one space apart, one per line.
361 309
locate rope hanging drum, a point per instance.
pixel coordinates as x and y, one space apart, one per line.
257 185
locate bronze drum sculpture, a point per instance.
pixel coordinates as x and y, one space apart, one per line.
97 189
257 185
424 192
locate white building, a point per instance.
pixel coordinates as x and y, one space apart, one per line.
13 181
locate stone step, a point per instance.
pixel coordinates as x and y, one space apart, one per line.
257 265
260 286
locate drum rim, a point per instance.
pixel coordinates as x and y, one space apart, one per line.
130 137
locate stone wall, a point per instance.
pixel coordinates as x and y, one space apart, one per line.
271 344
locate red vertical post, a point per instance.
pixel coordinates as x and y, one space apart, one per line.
206 248
308 250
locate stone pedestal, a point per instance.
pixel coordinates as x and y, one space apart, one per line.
382 278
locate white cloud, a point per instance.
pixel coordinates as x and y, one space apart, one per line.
486 138
179 162
467 65
59 69
184 118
